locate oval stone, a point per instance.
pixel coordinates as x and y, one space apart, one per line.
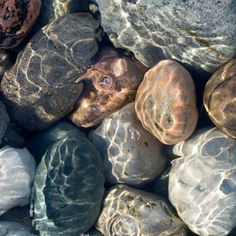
220 98
130 153
202 182
68 188
40 88
166 102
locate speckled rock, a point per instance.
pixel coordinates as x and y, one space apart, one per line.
132 212
198 33
220 98
38 143
110 83
3 121
16 19
8 228
4 62
166 102
16 177
202 183
130 154
40 88
68 188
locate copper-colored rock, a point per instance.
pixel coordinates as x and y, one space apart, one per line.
16 19
109 84
220 98
166 103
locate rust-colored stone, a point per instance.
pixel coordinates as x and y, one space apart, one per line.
220 98
109 85
166 102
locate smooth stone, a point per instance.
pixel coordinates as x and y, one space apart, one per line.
128 211
40 88
165 102
3 121
9 228
16 177
220 98
39 142
110 83
68 188
200 33
16 19
202 182
130 154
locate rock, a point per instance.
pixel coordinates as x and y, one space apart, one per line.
202 183
130 154
68 188
8 228
3 121
16 20
200 34
4 62
132 212
166 103
110 83
220 98
38 143
40 88
16 177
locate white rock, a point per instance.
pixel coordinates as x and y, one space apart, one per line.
17 171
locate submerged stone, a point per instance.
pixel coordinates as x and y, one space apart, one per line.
202 182
8 228
3 121
40 88
130 153
68 188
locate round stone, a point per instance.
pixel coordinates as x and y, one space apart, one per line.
40 88
3 121
68 188
8 228
130 153
166 102
16 19
16 177
198 33
202 182
220 98
110 83
127 211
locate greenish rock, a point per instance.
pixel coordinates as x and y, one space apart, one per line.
39 143
68 188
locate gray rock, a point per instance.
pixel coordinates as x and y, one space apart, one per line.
202 183
8 228
40 88
3 121
16 177
130 153
198 33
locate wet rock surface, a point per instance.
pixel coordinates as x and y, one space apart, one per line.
40 88
3 121
202 183
8 228
165 102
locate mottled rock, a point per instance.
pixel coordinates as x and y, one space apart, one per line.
110 83
220 98
38 143
3 121
130 154
166 102
68 188
40 88
132 212
4 62
16 19
16 177
202 183
8 228
198 33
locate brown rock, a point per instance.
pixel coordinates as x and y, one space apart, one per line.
109 85
16 19
220 98
166 103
